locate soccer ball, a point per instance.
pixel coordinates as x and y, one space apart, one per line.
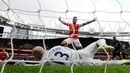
91 30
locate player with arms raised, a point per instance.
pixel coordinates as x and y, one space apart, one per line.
73 32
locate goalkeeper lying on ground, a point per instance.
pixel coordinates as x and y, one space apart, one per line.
60 55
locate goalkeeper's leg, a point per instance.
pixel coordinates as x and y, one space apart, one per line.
118 62
95 62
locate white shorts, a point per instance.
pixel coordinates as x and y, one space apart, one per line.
76 42
2 63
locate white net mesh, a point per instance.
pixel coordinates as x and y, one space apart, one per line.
112 15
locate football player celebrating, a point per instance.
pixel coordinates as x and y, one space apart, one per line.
73 32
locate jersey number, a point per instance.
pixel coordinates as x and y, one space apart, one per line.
62 54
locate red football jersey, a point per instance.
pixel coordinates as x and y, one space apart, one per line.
75 30
3 56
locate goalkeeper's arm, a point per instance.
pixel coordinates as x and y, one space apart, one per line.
32 64
45 63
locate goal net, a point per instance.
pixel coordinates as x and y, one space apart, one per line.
40 17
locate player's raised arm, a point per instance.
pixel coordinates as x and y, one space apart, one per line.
88 22
63 22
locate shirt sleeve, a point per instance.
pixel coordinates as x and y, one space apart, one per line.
7 54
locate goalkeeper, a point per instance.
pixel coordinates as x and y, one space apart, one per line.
60 55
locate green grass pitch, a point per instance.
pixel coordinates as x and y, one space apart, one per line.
66 69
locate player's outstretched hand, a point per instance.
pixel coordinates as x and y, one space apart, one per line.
95 19
59 18
21 63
